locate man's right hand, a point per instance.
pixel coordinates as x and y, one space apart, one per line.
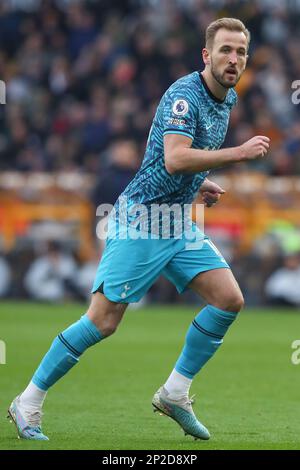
257 147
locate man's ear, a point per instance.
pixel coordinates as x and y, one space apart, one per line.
206 56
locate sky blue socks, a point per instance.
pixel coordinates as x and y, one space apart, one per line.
65 351
203 338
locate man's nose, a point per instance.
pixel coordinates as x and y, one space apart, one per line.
233 58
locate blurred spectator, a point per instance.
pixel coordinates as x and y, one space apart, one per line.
123 161
5 277
283 286
51 276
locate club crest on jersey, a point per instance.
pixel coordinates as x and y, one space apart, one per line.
180 107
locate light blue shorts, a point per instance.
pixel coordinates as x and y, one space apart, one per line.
128 268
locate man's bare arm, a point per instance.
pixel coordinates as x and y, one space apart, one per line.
181 158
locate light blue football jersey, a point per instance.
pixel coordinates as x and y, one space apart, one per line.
188 108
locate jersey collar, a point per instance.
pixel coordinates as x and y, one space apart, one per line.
208 90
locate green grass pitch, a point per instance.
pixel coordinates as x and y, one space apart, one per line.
247 395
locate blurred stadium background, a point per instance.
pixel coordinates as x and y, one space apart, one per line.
83 79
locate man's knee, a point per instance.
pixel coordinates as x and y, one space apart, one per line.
105 314
106 322
108 328
231 302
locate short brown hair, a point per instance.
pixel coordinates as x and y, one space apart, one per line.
231 24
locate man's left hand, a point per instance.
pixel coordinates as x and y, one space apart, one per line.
210 192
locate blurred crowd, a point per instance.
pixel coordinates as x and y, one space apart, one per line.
83 79
51 272
79 74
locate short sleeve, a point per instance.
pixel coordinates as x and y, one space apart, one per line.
180 114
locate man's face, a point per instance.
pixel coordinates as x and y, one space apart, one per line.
228 57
